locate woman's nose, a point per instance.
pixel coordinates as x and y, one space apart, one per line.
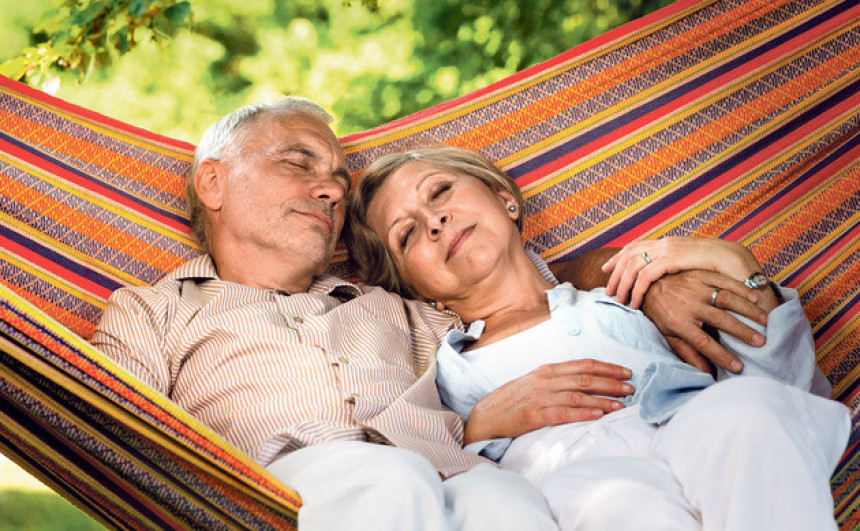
438 221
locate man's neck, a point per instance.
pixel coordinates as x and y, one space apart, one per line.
266 272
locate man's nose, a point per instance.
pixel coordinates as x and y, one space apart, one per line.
327 188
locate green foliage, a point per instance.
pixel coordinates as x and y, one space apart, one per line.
83 35
41 511
369 62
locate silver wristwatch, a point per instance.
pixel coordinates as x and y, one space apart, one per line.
756 280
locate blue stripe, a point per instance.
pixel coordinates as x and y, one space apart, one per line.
48 158
811 172
624 119
52 256
643 215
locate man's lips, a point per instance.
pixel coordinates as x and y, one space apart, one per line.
321 218
458 240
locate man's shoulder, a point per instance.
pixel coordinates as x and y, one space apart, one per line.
200 268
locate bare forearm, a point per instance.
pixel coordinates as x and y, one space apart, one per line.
584 271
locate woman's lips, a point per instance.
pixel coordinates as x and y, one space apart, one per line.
458 240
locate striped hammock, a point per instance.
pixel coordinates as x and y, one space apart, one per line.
737 119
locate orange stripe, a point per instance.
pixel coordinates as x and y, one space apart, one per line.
68 319
95 229
642 169
88 153
531 115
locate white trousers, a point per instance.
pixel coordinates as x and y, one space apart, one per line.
358 486
745 454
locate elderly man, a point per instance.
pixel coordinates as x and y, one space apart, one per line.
328 384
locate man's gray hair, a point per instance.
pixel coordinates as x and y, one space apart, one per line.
222 140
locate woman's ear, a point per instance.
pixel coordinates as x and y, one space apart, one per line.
511 204
208 183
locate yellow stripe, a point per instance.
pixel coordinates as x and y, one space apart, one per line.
87 352
680 115
52 279
751 176
98 127
99 201
489 99
635 100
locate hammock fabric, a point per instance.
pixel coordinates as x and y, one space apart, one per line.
734 119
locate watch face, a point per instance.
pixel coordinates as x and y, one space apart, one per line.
756 280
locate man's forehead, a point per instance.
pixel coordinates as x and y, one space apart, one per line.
300 129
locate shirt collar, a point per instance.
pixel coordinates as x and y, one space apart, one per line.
202 268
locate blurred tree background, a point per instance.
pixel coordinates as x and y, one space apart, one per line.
173 67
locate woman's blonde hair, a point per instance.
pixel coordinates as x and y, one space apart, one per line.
367 249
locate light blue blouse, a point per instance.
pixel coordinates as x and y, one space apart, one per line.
589 324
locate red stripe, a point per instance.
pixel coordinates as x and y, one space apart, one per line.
839 325
690 198
44 164
582 49
100 119
71 277
659 114
792 197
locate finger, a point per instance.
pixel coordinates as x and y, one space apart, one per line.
584 366
564 415
726 322
727 300
708 347
558 388
587 408
689 354
628 278
609 265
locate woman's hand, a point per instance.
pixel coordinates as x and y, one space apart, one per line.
642 262
552 394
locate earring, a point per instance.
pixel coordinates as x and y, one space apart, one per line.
512 208
433 304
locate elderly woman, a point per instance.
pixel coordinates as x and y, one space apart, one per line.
691 450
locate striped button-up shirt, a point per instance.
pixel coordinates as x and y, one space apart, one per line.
272 372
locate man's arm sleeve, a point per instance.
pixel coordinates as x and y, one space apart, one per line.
130 333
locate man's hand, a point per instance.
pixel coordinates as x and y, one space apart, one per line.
552 394
680 305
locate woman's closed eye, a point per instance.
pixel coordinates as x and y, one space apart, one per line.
439 191
404 239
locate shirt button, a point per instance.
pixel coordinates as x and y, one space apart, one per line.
298 320
351 400
343 359
573 332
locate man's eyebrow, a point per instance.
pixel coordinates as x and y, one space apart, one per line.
295 148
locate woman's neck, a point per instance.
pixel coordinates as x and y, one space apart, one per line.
509 302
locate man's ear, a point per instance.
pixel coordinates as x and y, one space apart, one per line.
209 183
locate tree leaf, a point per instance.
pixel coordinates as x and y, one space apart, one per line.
14 68
137 8
120 40
80 17
178 12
